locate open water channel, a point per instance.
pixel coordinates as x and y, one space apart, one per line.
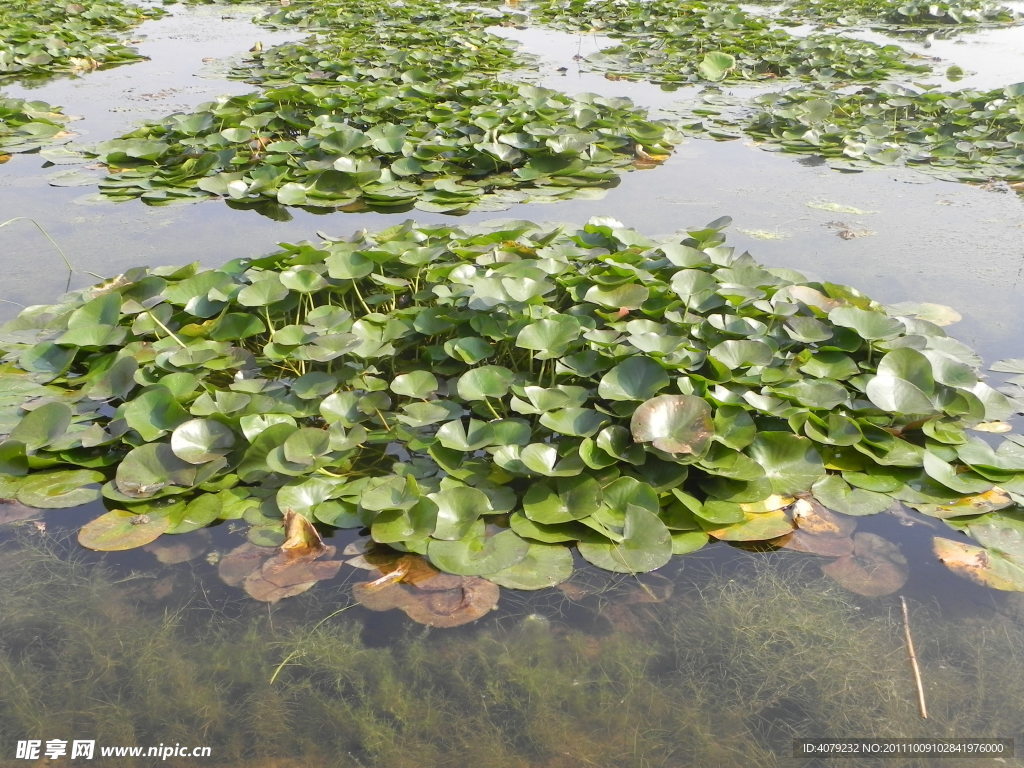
720 659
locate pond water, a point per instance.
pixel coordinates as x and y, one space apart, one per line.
721 658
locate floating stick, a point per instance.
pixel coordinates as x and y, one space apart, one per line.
913 659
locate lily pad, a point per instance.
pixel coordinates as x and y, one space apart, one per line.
876 567
62 488
679 424
120 529
645 544
544 565
467 600
980 565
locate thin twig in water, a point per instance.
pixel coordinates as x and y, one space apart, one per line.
913 659
46 234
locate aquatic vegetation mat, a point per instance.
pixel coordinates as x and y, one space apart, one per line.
672 42
492 398
343 16
900 15
706 677
72 36
965 135
29 125
380 54
378 40
471 143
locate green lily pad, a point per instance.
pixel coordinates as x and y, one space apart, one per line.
477 554
198 441
979 564
791 463
544 565
646 545
119 530
637 378
42 426
62 488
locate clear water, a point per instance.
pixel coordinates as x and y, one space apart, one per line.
749 651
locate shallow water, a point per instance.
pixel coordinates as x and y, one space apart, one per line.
750 650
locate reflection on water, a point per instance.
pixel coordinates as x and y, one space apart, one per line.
726 671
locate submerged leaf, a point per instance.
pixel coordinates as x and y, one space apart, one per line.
875 568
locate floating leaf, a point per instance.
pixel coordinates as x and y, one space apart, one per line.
301 538
200 440
980 565
42 426
637 378
119 529
544 565
62 488
674 424
645 544
755 526
477 554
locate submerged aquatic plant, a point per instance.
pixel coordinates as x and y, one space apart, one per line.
69 36
724 673
492 397
28 125
672 42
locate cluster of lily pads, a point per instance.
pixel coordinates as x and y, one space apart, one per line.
28 125
381 54
387 107
496 398
438 145
674 42
968 135
68 36
901 14
378 40
339 16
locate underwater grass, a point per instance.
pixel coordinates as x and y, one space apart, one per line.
724 674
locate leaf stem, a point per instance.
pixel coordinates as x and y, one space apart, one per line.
167 330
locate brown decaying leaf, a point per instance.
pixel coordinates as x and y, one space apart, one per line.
875 568
974 563
4 159
649 588
825 544
410 568
12 511
811 517
240 562
301 538
270 575
287 574
172 550
444 601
